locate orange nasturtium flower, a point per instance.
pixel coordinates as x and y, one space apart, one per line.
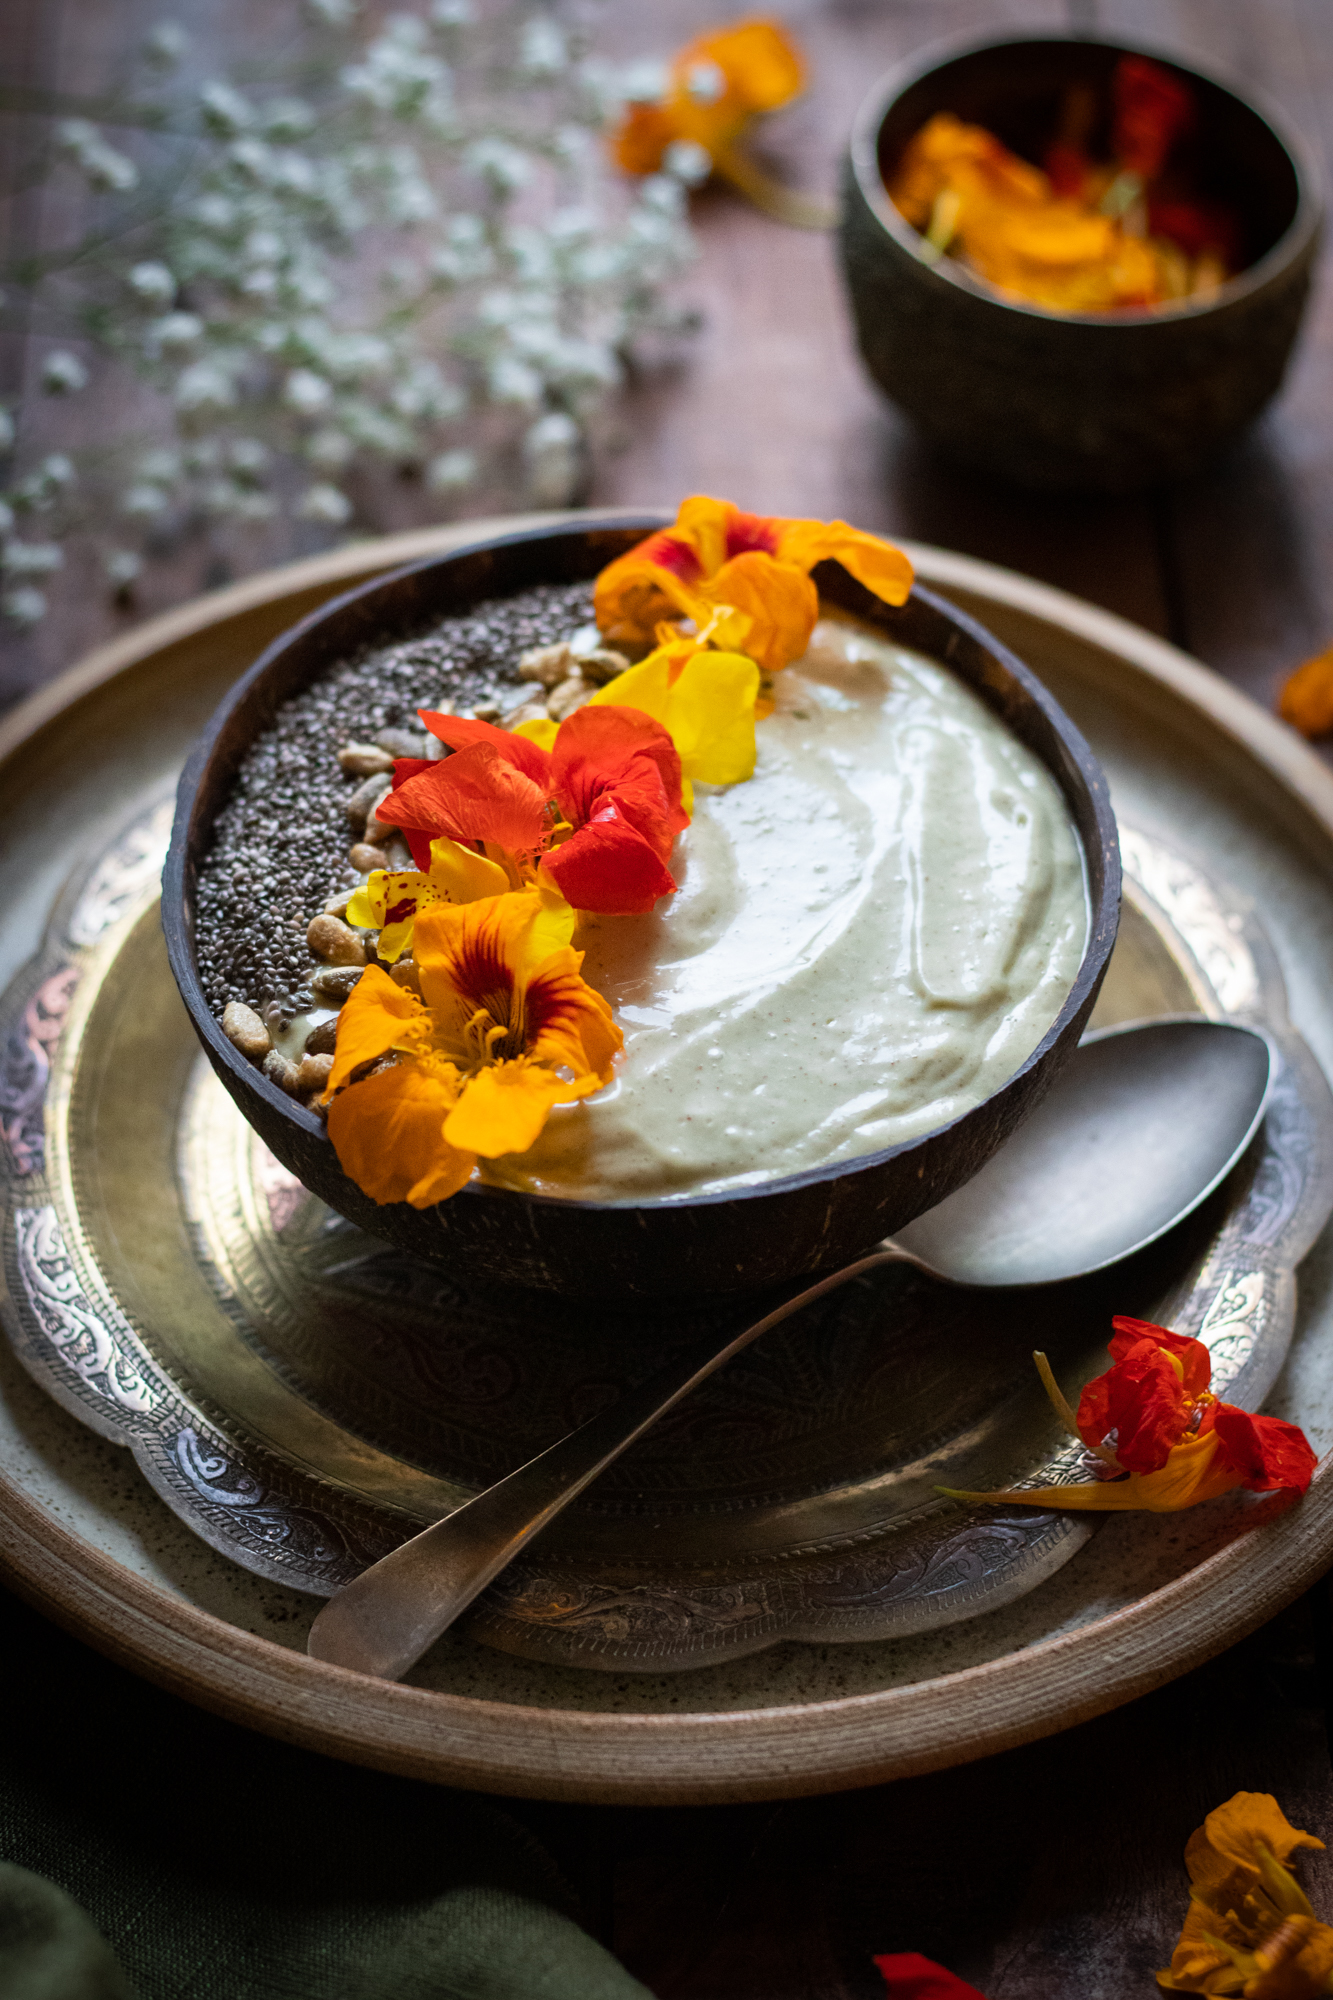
504 1029
1249 1929
744 577
1306 701
712 90
1173 1438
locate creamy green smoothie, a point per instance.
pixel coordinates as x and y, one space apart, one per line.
868 939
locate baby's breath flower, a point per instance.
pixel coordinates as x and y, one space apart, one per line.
153 282
248 456
235 305
204 386
307 392
450 470
122 566
24 606
512 381
102 164
287 118
330 449
31 558
553 458
173 332
688 162
501 165
143 500
166 44
224 110
543 49
63 374
325 503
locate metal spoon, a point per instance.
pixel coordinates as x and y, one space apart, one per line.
1142 1124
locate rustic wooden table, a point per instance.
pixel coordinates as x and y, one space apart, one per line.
1052 1871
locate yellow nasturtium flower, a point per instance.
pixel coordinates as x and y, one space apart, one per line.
389 901
1249 1930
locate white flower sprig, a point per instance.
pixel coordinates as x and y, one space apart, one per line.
424 265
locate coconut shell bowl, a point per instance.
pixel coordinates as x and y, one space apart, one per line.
692 1246
1088 402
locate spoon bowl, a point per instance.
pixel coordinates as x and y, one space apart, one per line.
1071 1191
1139 1128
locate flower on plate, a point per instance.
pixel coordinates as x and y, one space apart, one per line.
1153 1418
1249 1929
751 569
909 1976
597 812
504 1029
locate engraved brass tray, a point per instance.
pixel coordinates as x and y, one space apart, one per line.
1237 817
303 1395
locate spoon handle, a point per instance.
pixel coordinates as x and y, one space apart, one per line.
383 1621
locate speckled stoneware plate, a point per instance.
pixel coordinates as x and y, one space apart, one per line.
301 1398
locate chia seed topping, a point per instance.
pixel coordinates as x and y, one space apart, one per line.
280 843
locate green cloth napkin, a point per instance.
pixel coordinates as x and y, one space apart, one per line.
151 1852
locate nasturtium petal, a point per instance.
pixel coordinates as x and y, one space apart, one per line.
376 1016
1229 1837
778 603
704 700
463 732
479 793
1266 1453
461 875
389 1135
539 729
1194 1471
609 867
877 564
503 1108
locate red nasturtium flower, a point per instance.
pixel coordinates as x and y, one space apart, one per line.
752 567
598 811
1153 1417
909 1976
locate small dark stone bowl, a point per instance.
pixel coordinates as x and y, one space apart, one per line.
1089 402
705 1244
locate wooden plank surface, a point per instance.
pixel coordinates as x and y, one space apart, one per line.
1055 1871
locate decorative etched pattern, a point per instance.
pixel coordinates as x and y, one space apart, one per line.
123 877
91 1343
25 1067
1213 933
862 1404
1234 1324
256 1512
